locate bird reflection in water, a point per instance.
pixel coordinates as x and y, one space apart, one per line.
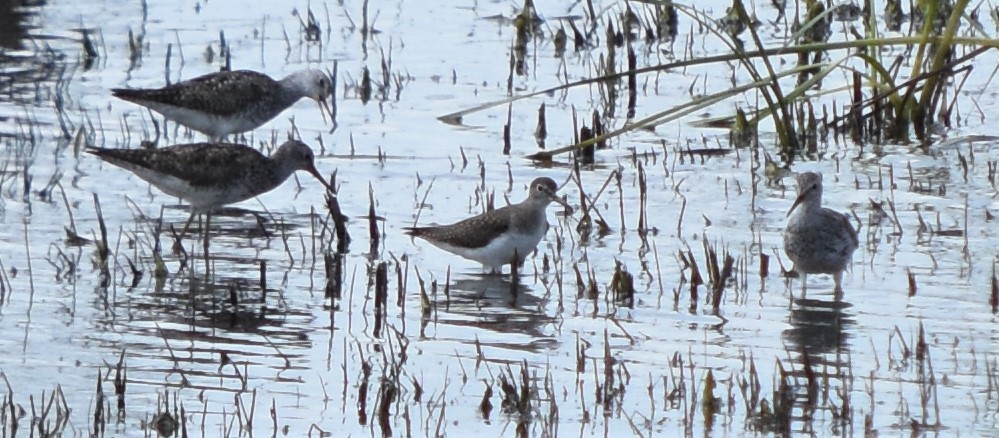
818 343
205 333
492 305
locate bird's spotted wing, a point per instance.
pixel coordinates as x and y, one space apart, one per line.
854 234
474 232
200 164
223 93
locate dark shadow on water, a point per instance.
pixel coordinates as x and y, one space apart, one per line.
14 15
235 223
28 64
211 330
493 303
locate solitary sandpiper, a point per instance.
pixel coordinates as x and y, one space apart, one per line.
818 240
496 237
230 102
210 175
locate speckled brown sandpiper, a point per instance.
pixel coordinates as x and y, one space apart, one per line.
230 102
210 175
818 240
495 237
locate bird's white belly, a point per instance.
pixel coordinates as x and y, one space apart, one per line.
500 251
211 124
200 198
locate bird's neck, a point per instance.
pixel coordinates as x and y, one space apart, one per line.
809 206
534 212
281 167
293 87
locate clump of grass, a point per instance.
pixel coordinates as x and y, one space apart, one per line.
885 108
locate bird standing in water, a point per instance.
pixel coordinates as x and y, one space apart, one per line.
230 102
210 175
495 237
818 240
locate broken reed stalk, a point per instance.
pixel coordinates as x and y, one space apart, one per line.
994 295
401 277
695 276
103 250
373 235
339 223
447 287
381 297
719 287
5 288
426 306
364 90
506 130
334 264
620 200
632 82
541 131
642 200
99 420
623 286
120 377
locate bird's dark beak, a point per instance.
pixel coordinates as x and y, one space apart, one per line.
315 173
558 200
801 197
324 109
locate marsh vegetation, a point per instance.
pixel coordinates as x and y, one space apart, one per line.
661 305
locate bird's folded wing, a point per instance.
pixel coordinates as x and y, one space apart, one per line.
475 232
222 94
199 164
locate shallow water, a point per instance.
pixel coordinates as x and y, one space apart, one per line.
231 350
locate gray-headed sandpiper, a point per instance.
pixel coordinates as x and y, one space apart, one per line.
210 175
230 102
818 240
495 237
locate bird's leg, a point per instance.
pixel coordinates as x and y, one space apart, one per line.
208 218
208 262
804 283
515 263
838 278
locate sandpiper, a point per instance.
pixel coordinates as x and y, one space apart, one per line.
230 102
210 175
494 238
818 240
